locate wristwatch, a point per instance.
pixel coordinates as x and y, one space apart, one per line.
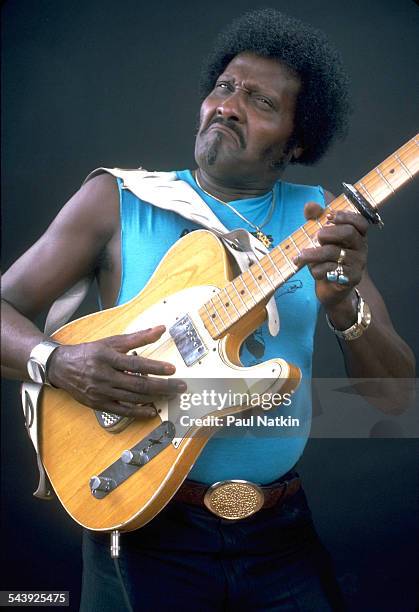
38 361
356 330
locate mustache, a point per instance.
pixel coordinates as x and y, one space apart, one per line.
231 126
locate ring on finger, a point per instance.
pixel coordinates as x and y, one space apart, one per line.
341 257
343 279
337 276
332 276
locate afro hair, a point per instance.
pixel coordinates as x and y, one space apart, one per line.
323 107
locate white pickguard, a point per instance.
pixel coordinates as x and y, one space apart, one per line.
213 369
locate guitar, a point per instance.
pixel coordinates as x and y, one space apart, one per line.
110 472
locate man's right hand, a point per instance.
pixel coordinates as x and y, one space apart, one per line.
102 376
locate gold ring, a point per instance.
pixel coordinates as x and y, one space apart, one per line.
341 257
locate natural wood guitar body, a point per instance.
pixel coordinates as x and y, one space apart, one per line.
194 278
74 447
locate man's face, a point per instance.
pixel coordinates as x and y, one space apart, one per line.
247 121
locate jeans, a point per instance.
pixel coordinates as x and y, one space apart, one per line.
188 560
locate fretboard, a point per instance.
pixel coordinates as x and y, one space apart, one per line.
258 283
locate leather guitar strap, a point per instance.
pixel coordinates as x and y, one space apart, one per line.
164 190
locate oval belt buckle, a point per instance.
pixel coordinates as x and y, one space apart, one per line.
234 499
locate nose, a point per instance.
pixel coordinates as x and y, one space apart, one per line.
232 107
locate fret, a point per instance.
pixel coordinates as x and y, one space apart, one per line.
271 273
370 197
405 168
224 308
340 203
258 285
241 309
252 286
378 184
295 246
312 228
240 297
308 236
394 172
292 265
241 279
266 276
232 301
381 175
212 319
268 255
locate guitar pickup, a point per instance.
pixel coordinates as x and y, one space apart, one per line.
188 341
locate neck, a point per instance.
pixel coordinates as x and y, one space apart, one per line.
231 190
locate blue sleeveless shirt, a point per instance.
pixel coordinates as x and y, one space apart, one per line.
259 454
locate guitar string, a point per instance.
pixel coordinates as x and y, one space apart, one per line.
373 180
338 206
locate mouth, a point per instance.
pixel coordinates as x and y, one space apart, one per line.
226 130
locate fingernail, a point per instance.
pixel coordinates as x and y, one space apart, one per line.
169 369
296 259
181 386
152 412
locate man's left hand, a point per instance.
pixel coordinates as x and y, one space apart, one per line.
347 231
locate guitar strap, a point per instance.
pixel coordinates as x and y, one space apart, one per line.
164 190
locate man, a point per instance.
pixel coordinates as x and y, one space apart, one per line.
274 95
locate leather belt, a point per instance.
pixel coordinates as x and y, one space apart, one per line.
236 499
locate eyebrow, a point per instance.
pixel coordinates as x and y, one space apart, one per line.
252 86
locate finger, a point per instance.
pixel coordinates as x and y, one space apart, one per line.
345 235
128 397
142 365
319 273
128 410
327 253
148 385
312 210
127 342
341 217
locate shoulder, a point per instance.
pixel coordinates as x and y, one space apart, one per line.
94 208
296 195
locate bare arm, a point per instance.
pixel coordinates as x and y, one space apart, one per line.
94 373
66 252
379 353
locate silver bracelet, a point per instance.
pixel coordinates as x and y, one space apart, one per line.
37 365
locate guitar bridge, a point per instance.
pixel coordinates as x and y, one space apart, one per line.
187 340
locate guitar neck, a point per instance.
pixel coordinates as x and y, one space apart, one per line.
257 284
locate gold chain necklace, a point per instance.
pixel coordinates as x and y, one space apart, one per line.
266 239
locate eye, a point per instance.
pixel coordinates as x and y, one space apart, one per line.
265 102
224 85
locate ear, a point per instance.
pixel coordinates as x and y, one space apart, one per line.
297 152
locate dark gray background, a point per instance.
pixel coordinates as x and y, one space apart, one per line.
115 83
